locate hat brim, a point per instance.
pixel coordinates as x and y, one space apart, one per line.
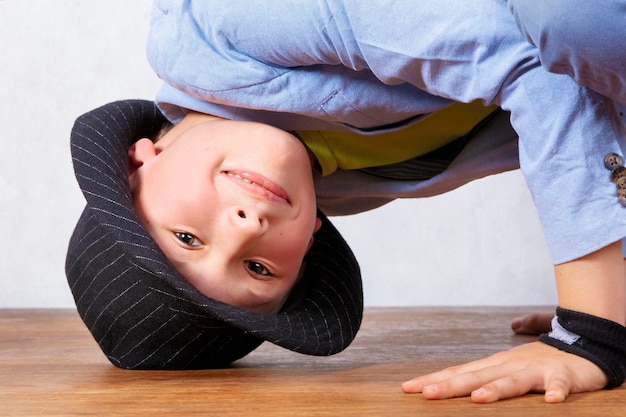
141 311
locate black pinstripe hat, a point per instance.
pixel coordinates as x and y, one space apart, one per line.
142 312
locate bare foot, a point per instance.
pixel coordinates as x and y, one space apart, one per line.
534 323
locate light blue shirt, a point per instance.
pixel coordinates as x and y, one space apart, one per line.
368 66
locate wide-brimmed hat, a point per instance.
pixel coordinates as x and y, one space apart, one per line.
142 312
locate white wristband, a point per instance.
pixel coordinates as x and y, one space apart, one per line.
562 334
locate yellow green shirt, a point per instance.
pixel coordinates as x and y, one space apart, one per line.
348 150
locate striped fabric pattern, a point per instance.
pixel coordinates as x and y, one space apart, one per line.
142 312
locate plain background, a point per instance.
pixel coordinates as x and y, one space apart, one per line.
479 245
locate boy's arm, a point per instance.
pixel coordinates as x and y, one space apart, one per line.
593 284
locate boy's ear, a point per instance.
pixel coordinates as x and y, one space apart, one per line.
318 225
138 153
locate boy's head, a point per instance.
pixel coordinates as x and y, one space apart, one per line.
231 204
235 216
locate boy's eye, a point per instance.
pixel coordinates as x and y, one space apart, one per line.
188 239
258 268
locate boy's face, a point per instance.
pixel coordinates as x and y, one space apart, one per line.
231 204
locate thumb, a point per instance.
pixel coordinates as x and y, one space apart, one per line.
557 389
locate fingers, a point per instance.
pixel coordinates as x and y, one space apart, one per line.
463 385
483 386
521 383
457 381
534 323
533 367
501 389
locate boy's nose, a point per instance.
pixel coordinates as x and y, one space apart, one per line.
248 220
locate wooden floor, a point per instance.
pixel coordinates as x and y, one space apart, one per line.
50 366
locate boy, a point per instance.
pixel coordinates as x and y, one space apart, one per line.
361 72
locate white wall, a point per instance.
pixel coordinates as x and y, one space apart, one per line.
59 58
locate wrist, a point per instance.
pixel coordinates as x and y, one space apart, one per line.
596 339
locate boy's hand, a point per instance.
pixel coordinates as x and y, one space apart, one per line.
533 367
534 323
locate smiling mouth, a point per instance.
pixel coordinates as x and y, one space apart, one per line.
259 185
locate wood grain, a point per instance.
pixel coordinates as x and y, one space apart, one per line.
50 366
